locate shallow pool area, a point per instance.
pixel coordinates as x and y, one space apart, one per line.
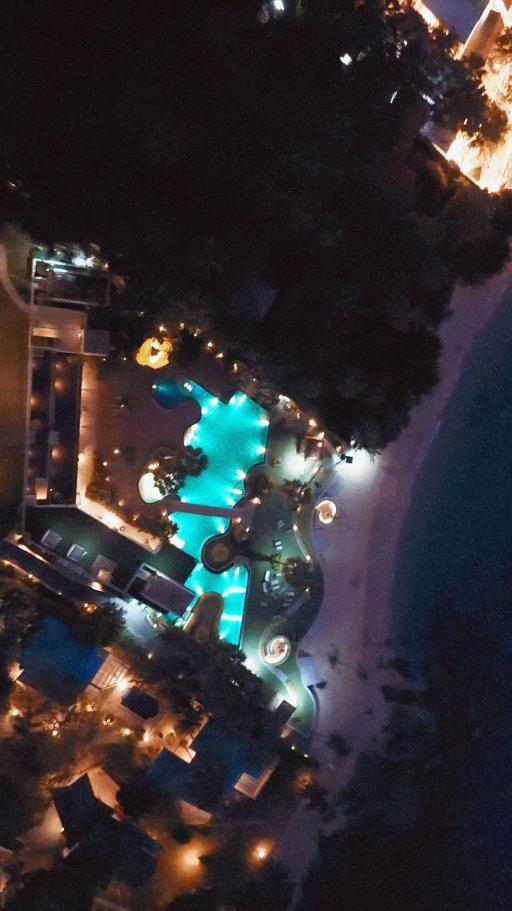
233 436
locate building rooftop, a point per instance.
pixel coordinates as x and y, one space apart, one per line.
114 849
57 664
77 527
167 594
459 15
78 808
234 754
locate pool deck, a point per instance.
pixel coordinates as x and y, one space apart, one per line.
250 616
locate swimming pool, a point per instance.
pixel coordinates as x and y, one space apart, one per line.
234 437
169 395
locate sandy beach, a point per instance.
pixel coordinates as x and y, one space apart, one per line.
358 556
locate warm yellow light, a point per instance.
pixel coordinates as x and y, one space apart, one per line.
261 851
326 510
153 353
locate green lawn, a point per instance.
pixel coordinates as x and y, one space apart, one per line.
13 386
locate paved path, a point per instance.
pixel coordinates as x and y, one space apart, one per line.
357 554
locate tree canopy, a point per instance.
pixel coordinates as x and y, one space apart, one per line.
252 166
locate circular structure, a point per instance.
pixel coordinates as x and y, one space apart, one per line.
326 510
277 650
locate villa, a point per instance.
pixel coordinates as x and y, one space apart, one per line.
478 26
98 841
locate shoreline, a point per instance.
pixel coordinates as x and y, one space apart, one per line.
357 554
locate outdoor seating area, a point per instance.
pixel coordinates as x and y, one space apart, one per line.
109 556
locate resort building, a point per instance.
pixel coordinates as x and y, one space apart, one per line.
478 27
98 843
95 526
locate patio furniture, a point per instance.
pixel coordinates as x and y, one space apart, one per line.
76 552
102 569
267 575
51 539
265 586
280 523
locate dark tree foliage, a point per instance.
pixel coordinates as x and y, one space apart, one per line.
203 677
203 900
176 465
52 890
103 626
138 797
257 183
207 780
243 884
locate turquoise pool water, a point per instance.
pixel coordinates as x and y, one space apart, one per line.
234 438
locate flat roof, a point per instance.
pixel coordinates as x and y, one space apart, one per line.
459 15
167 595
57 664
77 527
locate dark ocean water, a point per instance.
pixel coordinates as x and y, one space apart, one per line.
454 560
457 533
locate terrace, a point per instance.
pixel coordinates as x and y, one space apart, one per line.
76 527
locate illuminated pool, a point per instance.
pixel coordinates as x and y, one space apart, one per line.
234 438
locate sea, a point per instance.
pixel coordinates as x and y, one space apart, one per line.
453 571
